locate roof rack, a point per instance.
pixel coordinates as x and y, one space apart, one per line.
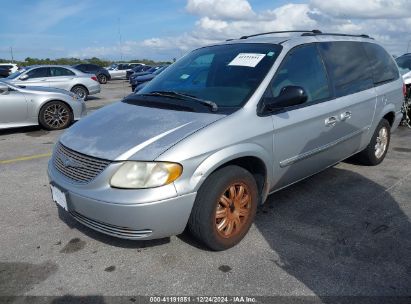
336 34
313 32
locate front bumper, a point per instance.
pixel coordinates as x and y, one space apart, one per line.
131 214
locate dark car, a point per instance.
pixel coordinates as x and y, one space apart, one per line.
138 74
4 73
138 81
137 69
102 74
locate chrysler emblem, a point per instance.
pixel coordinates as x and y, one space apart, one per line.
69 162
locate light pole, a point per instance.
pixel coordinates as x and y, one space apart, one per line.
11 52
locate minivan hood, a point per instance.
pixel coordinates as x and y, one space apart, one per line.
124 131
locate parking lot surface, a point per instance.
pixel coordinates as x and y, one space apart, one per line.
345 231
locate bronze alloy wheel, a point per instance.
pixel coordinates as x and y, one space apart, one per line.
56 115
225 207
233 210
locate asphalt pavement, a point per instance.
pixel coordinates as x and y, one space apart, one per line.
343 232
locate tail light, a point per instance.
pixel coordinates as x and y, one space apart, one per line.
94 78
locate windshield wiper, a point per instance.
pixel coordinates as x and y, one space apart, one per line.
174 94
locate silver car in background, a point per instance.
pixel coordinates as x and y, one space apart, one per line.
57 76
206 141
53 109
119 70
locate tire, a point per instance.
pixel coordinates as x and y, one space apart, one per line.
55 115
80 91
377 149
216 219
102 78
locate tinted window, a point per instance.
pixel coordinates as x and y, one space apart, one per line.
303 67
348 66
384 68
38 73
80 67
56 71
92 67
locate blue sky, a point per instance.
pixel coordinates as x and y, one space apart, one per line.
163 29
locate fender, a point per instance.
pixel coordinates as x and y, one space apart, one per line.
223 156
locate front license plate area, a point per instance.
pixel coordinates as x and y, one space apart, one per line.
59 197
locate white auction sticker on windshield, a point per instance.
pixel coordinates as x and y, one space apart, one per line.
247 59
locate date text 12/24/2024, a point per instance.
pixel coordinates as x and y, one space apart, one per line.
203 299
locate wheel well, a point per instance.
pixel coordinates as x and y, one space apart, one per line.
71 110
390 117
253 165
80 85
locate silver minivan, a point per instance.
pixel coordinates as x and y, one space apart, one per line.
205 142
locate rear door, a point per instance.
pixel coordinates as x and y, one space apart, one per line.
325 129
349 68
60 78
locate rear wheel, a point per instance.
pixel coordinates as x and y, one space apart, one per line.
80 91
55 115
225 208
102 78
376 150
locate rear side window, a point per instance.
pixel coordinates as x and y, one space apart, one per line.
39 73
384 68
56 71
348 66
303 67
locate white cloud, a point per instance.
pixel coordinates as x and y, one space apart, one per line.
223 19
383 9
226 9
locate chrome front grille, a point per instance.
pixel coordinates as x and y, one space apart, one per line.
77 167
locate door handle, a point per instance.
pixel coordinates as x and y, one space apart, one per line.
345 115
331 121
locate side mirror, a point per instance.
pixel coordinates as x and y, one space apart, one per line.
4 89
24 77
289 96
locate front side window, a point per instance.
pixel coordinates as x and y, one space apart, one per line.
57 71
348 66
303 67
224 74
39 73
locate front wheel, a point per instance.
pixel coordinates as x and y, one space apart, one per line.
376 150
225 208
80 91
55 115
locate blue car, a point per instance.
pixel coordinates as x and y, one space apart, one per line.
142 79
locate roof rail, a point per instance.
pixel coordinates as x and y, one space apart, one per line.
282 32
336 34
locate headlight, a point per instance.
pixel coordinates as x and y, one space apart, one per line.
139 175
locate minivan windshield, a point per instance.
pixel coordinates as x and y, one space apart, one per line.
226 75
